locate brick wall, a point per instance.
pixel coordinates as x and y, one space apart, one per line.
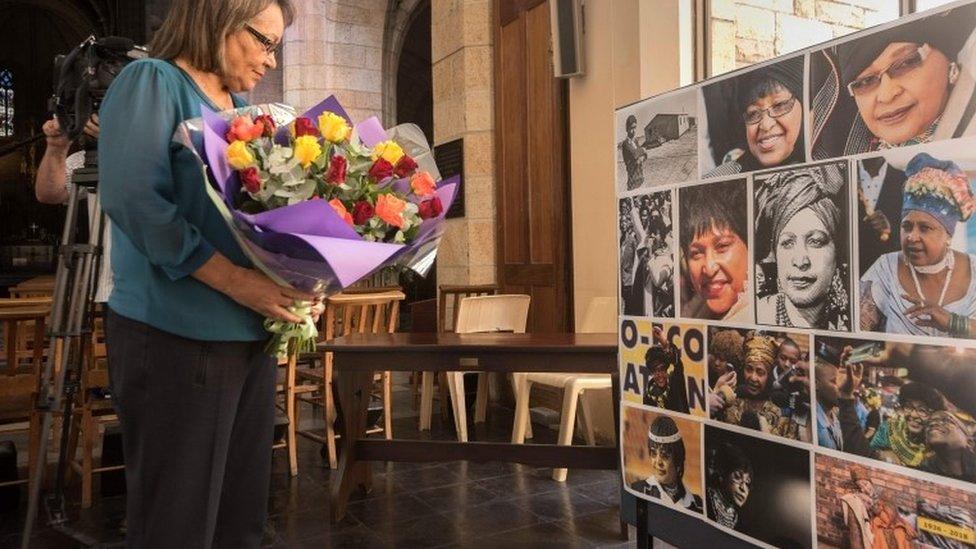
749 31
833 479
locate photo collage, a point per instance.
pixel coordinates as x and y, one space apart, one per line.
797 289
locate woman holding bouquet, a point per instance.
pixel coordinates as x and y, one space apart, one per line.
191 382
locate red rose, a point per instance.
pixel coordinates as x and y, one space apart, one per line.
267 122
381 170
250 179
337 170
431 208
406 166
304 126
362 212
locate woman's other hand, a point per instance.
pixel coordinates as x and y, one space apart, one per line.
927 315
259 293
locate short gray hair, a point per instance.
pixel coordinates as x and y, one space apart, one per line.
196 29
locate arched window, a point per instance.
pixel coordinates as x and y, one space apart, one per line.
6 103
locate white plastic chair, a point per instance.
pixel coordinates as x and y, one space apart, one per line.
600 317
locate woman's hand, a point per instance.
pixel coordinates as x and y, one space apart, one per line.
259 293
927 315
318 308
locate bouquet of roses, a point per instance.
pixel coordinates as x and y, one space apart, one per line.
318 203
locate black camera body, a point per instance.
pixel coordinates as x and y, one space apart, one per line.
84 75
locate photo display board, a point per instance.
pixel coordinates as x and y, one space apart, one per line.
797 277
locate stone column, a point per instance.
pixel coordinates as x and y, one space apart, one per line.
336 47
462 57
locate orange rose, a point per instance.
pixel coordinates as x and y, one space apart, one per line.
422 184
244 129
340 209
390 209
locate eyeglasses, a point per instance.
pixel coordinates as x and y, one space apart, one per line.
901 67
270 46
779 109
923 411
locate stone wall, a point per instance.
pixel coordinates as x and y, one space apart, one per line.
461 40
335 47
749 31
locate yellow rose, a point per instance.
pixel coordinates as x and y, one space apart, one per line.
307 149
334 128
238 155
389 151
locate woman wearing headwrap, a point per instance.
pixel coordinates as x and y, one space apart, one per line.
769 111
905 85
748 404
927 288
801 219
666 454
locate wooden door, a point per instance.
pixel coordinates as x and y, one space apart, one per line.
531 128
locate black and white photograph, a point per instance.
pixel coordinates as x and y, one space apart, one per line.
657 141
754 120
802 247
713 235
758 488
647 255
760 380
906 404
909 84
662 458
917 241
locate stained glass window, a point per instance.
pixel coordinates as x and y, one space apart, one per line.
6 103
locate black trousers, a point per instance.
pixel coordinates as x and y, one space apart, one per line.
197 426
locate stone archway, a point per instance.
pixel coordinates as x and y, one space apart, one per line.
400 14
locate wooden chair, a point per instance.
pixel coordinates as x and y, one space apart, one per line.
41 286
600 317
92 413
345 313
23 330
448 298
494 313
19 383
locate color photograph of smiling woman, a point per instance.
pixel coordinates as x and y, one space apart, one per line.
755 120
926 288
713 236
906 85
802 248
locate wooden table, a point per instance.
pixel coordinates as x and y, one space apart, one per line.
357 356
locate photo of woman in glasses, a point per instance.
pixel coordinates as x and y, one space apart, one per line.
755 120
909 84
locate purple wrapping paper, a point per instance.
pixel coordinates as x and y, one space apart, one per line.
307 245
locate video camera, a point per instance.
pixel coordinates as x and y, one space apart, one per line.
83 76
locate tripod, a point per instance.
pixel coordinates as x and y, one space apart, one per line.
71 321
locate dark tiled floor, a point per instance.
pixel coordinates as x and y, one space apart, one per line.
456 504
